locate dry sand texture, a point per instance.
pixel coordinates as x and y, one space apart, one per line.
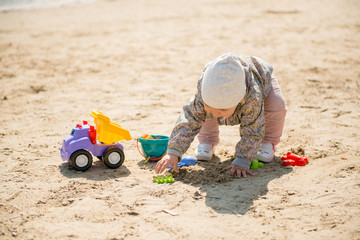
138 62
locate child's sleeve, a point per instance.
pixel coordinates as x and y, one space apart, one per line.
187 126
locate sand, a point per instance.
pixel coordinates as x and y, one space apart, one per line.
138 62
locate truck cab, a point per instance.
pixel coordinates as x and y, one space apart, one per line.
77 139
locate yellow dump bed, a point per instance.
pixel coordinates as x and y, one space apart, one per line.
108 132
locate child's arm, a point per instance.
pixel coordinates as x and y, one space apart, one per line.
187 126
252 131
184 132
252 126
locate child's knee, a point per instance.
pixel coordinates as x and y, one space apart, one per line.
275 103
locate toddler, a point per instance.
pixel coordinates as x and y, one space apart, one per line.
231 90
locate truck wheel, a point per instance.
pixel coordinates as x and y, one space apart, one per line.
81 160
113 157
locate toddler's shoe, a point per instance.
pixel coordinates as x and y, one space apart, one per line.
204 151
266 152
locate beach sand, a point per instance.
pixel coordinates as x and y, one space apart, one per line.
138 62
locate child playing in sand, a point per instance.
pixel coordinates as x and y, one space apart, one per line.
231 90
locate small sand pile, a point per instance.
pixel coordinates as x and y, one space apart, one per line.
204 173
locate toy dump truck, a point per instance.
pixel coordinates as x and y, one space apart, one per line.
102 142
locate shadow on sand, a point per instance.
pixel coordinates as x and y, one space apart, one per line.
97 172
224 193
237 196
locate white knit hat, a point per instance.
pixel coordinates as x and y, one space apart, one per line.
223 85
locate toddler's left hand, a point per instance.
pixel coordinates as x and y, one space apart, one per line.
239 171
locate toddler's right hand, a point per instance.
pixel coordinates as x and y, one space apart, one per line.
239 171
165 161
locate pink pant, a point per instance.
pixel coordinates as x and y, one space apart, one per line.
275 111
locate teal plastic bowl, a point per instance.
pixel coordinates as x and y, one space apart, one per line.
154 148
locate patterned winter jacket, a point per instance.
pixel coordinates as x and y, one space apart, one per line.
249 114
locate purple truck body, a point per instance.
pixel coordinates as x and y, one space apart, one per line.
79 139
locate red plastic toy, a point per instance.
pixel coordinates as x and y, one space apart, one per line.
294 160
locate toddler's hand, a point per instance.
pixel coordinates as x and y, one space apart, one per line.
239 171
165 161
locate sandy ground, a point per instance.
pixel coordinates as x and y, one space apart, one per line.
138 62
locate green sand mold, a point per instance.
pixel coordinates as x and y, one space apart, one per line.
256 164
163 179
